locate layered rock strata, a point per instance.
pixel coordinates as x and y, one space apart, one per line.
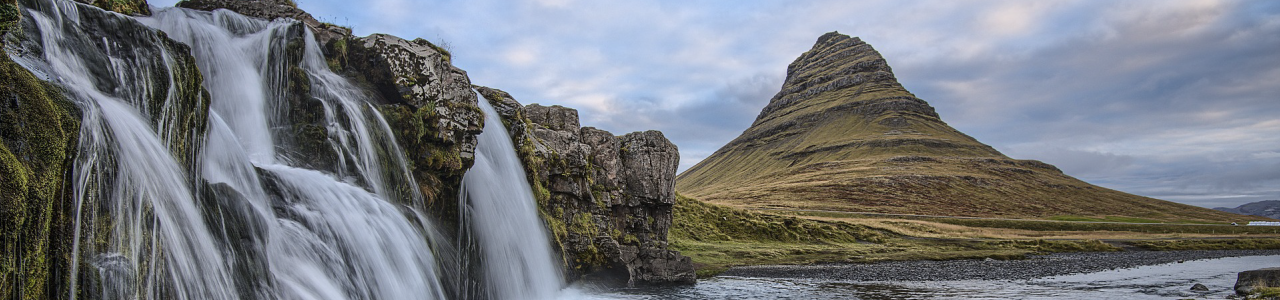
844 134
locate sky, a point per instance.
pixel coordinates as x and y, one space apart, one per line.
1177 100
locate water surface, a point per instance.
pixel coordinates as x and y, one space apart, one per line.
1166 281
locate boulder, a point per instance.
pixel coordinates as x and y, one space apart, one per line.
1249 281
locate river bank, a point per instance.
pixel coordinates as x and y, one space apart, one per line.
1037 266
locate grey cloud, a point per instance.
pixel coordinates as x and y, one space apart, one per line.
1074 162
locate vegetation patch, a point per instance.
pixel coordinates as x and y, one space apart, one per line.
38 127
1117 219
1209 244
1165 228
719 237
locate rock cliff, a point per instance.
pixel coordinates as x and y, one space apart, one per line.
607 199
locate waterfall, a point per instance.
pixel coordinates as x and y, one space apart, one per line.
500 207
232 211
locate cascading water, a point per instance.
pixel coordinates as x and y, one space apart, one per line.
500 206
234 215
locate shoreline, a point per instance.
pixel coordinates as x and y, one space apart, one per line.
1038 266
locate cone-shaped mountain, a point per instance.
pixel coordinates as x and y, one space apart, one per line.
843 134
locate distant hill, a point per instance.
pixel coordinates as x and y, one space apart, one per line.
1268 208
843 134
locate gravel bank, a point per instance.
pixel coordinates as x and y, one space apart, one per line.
1034 267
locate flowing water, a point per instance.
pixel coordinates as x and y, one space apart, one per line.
1167 281
500 205
236 215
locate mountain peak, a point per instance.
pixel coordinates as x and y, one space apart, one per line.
842 65
844 134
834 37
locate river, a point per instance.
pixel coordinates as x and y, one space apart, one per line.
1164 281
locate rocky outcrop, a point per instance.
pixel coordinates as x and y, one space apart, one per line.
38 129
1248 282
427 102
607 199
128 7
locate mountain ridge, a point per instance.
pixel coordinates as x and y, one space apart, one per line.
843 134
1264 208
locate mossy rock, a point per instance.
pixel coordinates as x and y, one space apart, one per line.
128 7
38 127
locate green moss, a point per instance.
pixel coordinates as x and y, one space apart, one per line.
448 57
128 7
38 128
1266 293
336 57
584 226
9 17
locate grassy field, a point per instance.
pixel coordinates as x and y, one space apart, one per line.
718 237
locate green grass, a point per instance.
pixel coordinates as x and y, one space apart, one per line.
1118 219
1207 244
719 237
1267 293
1138 228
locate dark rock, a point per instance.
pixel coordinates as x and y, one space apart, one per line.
1248 281
1199 288
606 199
428 103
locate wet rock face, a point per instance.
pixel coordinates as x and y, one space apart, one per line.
39 138
427 102
607 199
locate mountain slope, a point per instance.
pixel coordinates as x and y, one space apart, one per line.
1267 208
843 134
